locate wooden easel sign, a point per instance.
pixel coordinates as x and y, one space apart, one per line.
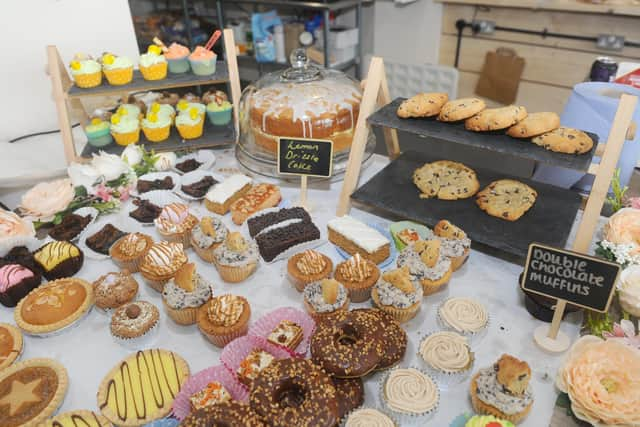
305 157
567 276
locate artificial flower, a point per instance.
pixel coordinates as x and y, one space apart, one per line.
165 161
634 202
46 199
83 175
132 154
625 331
110 166
125 193
623 228
629 290
103 192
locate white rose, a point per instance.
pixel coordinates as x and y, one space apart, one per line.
132 154
109 165
83 175
165 161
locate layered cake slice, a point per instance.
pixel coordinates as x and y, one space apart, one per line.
354 237
275 240
270 217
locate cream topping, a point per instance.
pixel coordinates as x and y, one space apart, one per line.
177 298
367 417
225 310
390 295
204 240
411 259
454 247
446 351
163 258
174 218
359 233
222 191
313 295
311 262
227 256
410 391
356 269
464 314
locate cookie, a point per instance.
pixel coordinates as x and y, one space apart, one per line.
422 105
565 140
496 118
535 124
431 253
446 180
448 231
506 199
461 109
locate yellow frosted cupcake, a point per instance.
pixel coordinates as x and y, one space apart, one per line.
156 127
190 125
131 111
153 64
163 110
86 72
184 106
125 130
117 69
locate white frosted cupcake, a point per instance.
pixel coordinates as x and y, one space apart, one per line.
465 316
448 357
410 394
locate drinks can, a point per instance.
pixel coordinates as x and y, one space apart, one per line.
603 69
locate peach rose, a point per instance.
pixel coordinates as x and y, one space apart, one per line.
602 379
14 231
624 228
46 199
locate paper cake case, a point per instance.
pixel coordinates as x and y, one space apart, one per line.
265 325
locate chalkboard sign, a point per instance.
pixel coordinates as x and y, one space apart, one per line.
582 280
311 157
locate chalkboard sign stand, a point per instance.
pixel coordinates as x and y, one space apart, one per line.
303 192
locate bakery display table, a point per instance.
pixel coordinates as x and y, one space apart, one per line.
88 351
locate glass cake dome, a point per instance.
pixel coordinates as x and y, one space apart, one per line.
304 101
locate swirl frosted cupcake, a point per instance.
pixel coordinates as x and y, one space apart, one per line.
156 127
325 297
206 236
127 252
161 263
358 275
465 316
224 318
185 294
427 264
368 417
236 259
409 394
175 223
396 294
125 130
448 356
308 266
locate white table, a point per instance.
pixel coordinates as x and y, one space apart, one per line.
88 352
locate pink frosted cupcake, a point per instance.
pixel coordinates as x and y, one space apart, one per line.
175 224
286 327
177 56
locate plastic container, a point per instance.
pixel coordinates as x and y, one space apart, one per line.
220 117
179 65
204 67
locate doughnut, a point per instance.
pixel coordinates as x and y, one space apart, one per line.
394 336
228 414
348 344
350 394
294 392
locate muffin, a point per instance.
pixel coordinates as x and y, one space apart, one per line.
503 390
206 236
447 355
59 259
427 264
156 127
183 295
16 281
135 324
224 318
175 223
324 298
153 65
308 266
161 263
358 275
236 259
86 72
455 243
127 252
190 124
396 294
117 69
114 289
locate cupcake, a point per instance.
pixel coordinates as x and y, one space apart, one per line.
184 106
156 127
465 316
16 281
178 58
127 252
308 266
135 325
324 298
503 390
162 110
190 125
59 259
175 223
219 109
397 295
455 243
224 318
487 421
117 69
183 295
202 61
236 259
98 133
206 236
358 275
447 355
86 71
368 417
131 111
114 289
427 264
125 130
161 263
153 64
629 290
409 394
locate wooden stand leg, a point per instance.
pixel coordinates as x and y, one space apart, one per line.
234 76
390 134
57 71
367 106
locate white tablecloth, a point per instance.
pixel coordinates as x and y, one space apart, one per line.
88 352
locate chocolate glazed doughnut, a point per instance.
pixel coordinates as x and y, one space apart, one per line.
294 392
348 344
394 336
350 394
227 414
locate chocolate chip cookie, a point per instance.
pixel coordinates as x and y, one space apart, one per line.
446 180
496 118
535 124
461 109
422 105
506 199
565 140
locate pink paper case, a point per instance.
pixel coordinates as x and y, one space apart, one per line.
267 323
199 381
237 350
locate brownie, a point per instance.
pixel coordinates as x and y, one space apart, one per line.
145 212
21 255
70 227
102 241
272 243
260 222
165 183
188 165
199 188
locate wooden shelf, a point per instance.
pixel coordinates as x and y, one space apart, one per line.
559 5
139 84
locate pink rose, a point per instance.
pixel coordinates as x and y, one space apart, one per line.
624 228
124 193
103 192
634 202
46 199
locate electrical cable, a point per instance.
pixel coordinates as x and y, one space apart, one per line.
47 132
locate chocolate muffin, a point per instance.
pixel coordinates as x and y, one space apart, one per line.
146 212
102 241
198 189
70 227
188 165
144 186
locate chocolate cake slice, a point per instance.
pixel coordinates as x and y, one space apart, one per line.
102 241
70 226
273 242
188 165
146 211
199 188
258 223
165 183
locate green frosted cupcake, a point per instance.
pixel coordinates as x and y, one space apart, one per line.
219 113
98 133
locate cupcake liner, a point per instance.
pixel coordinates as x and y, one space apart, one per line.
195 176
360 295
265 325
236 273
160 175
159 198
124 224
473 337
445 379
183 316
156 134
191 131
156 284
144 341
132 265
317 316
403 417
203 67
391 416
206 254
119 76
458 261
184 237
88 80
199 380
401 315
237 350
206 157
222 340
154 72
393 253
127 138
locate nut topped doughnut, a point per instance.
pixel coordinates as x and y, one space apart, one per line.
350 394
348 344
394 336
227 414
294 392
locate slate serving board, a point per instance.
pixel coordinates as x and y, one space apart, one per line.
495 141
549 221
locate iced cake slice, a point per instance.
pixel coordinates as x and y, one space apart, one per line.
223 194
259 197
287 334
354 237
252 365
274 241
